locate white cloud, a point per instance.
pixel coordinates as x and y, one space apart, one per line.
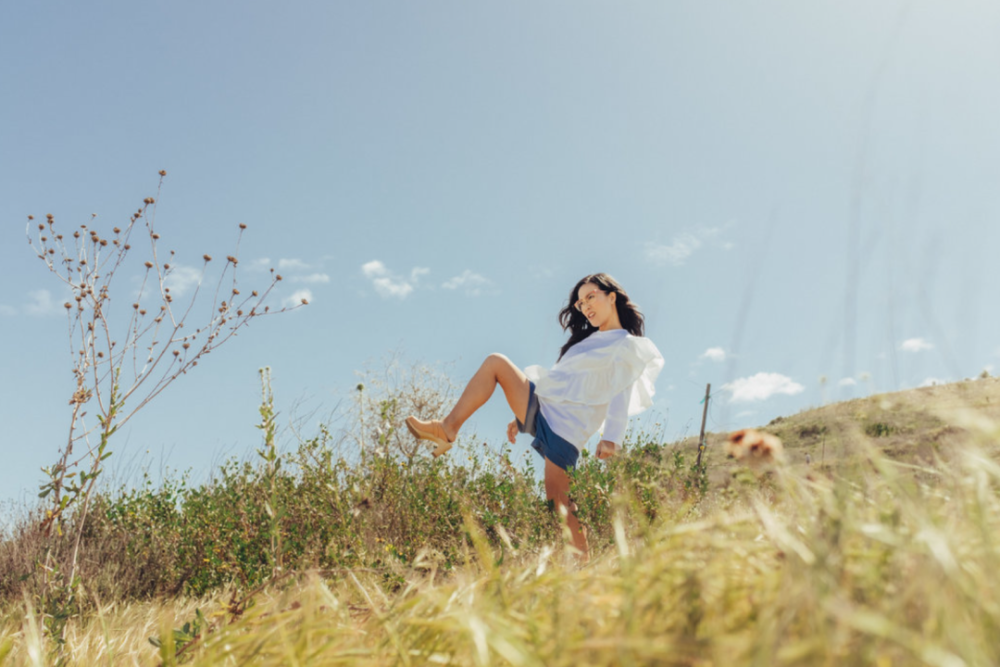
915 345
389 285
471 282
761 387
297 297
7 311
714 354
42 303
847 382
746 413
373 269
260 264
676 253
930 382
181 279
685 244
312 278
292 265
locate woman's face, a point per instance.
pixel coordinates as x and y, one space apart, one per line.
596 305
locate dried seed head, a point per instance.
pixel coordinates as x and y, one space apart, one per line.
100 355
242 226
155 236
48 216
31 217
254 293
59 236
163 173
117 230
128 247
149 265
76 235
135 306
148 201
305 302
232 259
83 262
44 238
166 267
278 277
104 242
235 291
68 305
239 313
177 352
51 251
207 258
187 345
142 312
41 226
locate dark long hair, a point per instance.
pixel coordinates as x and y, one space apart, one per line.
628 313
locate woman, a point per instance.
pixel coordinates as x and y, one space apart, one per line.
604 374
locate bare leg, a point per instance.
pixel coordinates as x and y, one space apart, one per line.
497 369
557 490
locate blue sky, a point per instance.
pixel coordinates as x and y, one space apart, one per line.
439 175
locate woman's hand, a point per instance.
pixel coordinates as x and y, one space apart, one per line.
606 449
512 432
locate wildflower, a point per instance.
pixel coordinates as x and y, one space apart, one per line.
754 447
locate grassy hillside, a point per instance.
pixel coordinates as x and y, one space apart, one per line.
884 553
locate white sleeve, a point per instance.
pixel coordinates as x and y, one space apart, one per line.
617 419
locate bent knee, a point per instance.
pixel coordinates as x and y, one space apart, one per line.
497 358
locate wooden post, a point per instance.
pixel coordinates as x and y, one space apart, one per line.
704 417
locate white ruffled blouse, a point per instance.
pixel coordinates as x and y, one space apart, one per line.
607 377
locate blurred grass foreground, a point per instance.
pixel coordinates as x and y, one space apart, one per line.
882 550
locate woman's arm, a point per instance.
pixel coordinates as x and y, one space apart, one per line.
615 424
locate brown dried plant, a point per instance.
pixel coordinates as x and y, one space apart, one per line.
125 353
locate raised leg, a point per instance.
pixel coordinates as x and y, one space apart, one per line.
557 490
497 369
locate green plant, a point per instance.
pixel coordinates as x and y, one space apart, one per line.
123 360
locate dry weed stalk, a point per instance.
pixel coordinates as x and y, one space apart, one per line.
121 363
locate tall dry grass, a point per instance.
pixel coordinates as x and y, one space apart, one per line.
871 561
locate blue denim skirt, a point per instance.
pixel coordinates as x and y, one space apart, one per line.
551 446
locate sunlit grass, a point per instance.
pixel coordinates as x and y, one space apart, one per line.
875 563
